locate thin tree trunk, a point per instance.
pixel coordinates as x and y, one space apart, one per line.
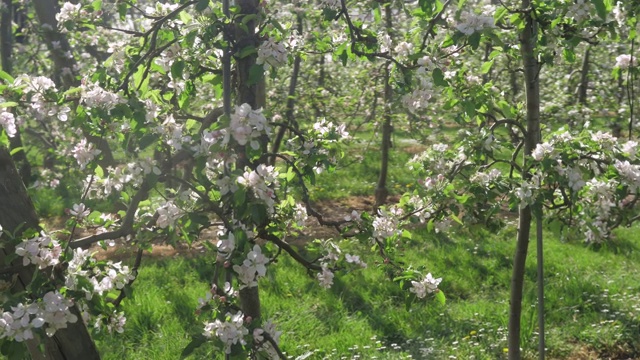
17 213
64 65
254 95
291 99
584 78
381 189
528 40
6 50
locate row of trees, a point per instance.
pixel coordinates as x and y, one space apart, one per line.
201 114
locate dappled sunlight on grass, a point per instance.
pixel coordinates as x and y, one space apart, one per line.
592 303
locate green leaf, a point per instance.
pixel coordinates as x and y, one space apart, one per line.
99 171
440 297
506 109
486 67
499 14
438 77
201 5
196 342
601 9
456 219
6 77
474 40
177 69
8 104
569 55
147 140
97 5
17 150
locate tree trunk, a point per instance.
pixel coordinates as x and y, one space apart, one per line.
381 189
291 100
64 66
6 50
254 95
528 40
17 213
584 78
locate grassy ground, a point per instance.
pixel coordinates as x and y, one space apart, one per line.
592 294
592 303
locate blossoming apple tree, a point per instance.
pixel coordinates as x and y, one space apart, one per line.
165 108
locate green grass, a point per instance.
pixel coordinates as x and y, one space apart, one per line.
358 172
592 302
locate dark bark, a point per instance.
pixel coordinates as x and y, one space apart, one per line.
528 40
381 189
64 66
291 100
254 95
17 214
6 50
584 78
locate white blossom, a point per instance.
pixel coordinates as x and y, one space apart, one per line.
626 61
230 332
325 277
8 122
426 286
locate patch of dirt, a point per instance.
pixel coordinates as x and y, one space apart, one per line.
331 210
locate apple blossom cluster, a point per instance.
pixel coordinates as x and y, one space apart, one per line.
425 286
117 177
438 161
271 54
262 181
84 152
387 223
542 150
597 205
619 14
94 96
80 211
246 126
41 106
579 10
423 90
526 193
299 215
173 133
226 244
68 12
325 277
114 276
355 259
266 346
8 122
103 279
52 313
626 61
629 173
114 322
168 214
330 131
252 268
42 251
34 84
230 332
470 23
486 178
404 49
